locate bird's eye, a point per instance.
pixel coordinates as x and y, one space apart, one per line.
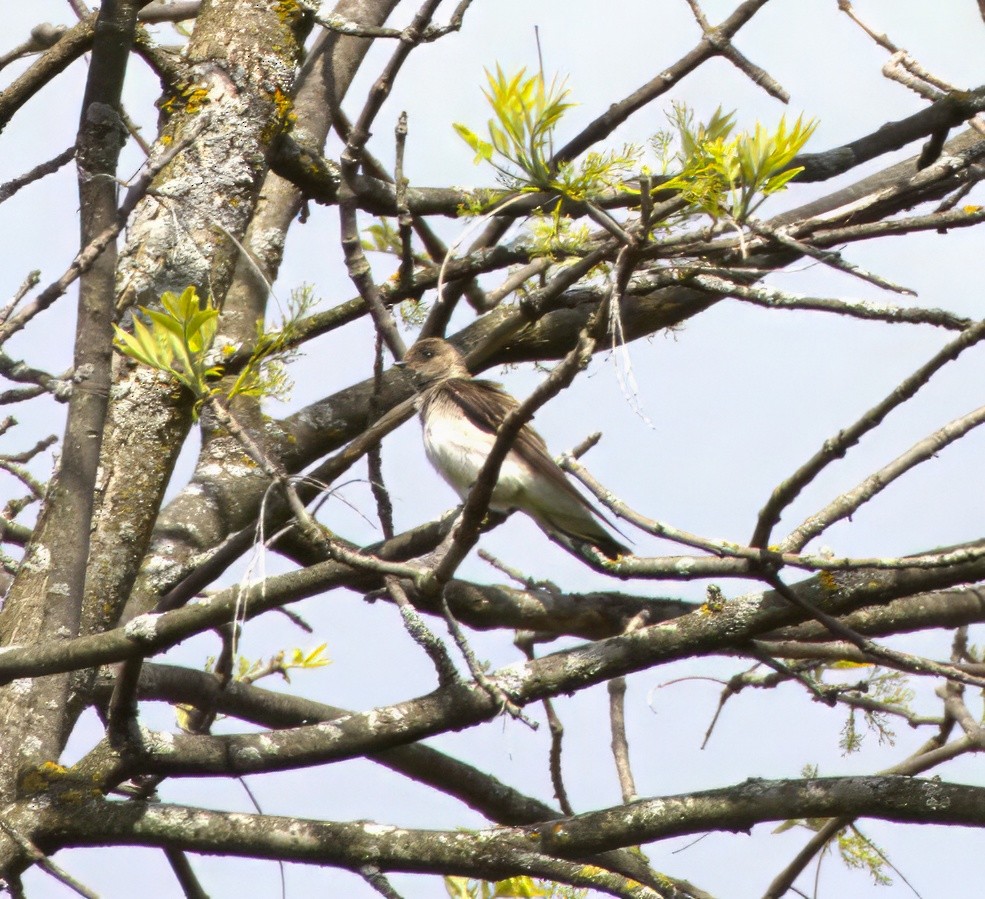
427 354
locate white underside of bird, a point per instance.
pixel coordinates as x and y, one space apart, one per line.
460 416
458 450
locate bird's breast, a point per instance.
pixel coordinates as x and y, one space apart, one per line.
458 450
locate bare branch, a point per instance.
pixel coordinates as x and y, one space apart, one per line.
39 171
618 112
836 446
620 745
848 502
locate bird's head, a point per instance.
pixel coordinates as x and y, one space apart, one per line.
431 360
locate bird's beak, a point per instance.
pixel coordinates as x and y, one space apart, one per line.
400 364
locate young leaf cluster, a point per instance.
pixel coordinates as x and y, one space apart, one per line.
248 672
178 338
719 172
554 234
525 113
520 887
727 174
264 373
175 339
382 237
890 688
858 852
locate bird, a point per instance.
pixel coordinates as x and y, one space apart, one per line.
460 416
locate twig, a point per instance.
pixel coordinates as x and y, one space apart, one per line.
475 668
606 221
12 462
515 279
404 220
422 634
174 11
11 187
620 745
618 112
334 466
772 298
185 874
121 729
43 382
903 661
309 527
846 504
43 37
933 221
755 554
525 642
554 757
832 652
732 687
904 69
429 33
29 283
759 76
828 257
851 695
88 255
361 274
835 447
929 183
435 247
410 38
528 583
374 457
375 878
696 245
45 863
651 526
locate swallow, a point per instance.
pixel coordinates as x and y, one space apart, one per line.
460 416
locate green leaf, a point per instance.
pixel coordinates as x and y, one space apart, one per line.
522 887
779 182
727 174
316 658
525 113
175 338
483 149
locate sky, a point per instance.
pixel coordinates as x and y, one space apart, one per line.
726 408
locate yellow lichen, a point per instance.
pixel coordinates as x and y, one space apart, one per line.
76 796
189 97
285 107
60 783
195 99
283 118
828 581
288 11
39 779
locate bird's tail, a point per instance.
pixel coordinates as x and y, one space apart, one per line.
583 528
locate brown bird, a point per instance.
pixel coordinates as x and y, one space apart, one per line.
460 415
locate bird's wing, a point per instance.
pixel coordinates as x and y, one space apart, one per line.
486 404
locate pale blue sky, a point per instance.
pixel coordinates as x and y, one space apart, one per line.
738 399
